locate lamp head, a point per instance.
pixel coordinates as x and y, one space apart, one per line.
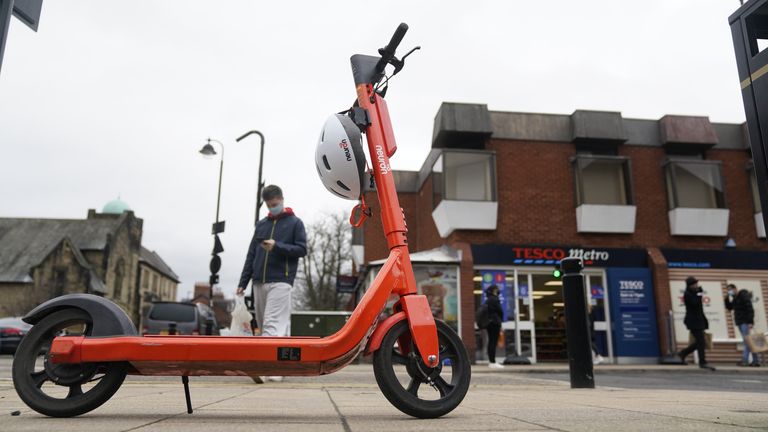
208 151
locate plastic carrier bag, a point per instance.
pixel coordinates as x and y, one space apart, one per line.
241 318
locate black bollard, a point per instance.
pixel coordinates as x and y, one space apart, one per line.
209 326
171 328
577 324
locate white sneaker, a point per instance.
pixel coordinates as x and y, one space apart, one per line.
495 366
275 378
598 359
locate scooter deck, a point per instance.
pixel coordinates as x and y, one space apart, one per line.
215 355
212 355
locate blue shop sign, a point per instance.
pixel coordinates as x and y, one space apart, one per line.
538 255
633 312
724 259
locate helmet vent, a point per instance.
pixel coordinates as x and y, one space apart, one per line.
340 195
343 186
325 162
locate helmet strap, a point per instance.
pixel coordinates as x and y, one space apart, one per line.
359 213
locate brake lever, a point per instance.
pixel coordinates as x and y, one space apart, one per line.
409 53
398 64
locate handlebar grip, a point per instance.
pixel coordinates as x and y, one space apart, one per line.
389 51
396 38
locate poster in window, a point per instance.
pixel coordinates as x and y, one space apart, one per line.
506 293
439 284
714 309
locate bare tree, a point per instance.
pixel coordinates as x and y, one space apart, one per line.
328 255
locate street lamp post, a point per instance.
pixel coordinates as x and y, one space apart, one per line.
259 187
260 184
218 226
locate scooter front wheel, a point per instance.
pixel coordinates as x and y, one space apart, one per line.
62 390
413 387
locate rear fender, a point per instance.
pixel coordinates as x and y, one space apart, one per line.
108 318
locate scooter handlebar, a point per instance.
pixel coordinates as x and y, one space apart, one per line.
389 51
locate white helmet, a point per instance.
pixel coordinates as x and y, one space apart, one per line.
339 157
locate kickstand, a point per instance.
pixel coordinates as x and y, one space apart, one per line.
185 381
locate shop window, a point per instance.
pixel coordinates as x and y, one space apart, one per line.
464 176
357 237
119 275
602 180
439 284
437 181
694 184
757 205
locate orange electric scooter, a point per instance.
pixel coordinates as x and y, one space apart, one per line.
82 346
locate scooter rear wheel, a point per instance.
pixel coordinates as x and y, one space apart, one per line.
411 386
62 390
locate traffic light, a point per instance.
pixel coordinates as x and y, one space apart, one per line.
557 273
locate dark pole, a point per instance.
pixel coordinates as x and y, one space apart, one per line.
260 184
27 11
6 11
259 187
577 324
218 195
214 276
218 226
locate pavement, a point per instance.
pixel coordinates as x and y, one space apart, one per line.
517 398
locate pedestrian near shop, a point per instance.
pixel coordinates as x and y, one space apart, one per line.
279 240
740 303
495 317
696 322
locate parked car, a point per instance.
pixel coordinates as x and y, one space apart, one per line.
189 318
12 330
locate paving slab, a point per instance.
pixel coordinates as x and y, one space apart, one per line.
351 401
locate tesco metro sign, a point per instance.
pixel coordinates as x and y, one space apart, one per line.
555 253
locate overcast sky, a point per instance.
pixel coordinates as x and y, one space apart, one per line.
116 98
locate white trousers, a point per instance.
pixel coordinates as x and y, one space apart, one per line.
273 308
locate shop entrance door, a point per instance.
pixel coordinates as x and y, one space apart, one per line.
522 330
597 294
548 317
540 322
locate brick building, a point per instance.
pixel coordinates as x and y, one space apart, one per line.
101 254
646 203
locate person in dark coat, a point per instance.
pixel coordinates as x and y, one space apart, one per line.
740 302
696 322
279 241
495 317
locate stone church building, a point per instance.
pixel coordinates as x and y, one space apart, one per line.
101 254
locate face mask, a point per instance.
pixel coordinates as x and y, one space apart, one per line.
276 210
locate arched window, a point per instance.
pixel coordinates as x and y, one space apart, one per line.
119 275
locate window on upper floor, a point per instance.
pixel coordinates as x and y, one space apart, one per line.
602 180
357 236
464 176
756 204
693 183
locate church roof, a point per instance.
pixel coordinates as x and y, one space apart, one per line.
24 243
152 259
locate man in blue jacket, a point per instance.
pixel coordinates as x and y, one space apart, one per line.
279 240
